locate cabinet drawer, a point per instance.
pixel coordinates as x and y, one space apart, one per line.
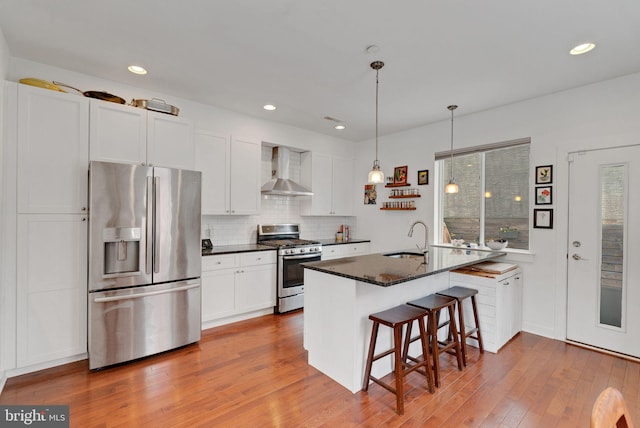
223 261
258 258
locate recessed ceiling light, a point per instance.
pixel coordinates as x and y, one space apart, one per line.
340 127
269 107
583 48
136 69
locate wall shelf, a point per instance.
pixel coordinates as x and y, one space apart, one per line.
397 185
398 209
404 197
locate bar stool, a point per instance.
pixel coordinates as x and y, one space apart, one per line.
460 294
433 304
396 318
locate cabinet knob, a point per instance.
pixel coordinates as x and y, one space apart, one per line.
83 208
84 219
142 163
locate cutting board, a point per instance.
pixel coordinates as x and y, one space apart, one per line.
492 267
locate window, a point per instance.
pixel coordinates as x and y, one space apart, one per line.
493 200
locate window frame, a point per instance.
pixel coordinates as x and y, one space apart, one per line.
440 181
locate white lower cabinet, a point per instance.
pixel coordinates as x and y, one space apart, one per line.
337 251
52 287
235 284
499 301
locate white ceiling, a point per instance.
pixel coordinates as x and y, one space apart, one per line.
309 57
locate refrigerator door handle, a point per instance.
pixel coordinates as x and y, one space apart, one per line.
147 294
156 224
149 235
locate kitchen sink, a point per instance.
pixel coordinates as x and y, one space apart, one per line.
405 255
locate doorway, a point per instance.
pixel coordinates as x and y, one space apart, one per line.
603 264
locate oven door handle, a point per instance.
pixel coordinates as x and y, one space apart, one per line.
306 256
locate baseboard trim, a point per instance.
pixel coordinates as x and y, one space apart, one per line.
603 351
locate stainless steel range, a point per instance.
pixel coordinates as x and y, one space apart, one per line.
292 251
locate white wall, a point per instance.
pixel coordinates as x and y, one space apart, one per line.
598 115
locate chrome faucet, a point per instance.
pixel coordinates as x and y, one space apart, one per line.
425 249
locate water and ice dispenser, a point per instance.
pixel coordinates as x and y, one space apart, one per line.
121 250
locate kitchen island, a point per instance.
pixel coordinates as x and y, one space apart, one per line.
341 294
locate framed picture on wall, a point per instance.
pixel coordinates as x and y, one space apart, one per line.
543 218
400 175
544 195
544 174
423 177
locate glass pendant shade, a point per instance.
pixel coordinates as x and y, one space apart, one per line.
375 175
452 187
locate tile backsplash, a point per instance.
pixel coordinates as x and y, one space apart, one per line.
232 230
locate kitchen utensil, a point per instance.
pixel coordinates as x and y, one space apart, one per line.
41 84
100 95
156 104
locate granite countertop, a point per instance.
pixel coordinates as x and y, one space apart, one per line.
332 241
229 249
386 271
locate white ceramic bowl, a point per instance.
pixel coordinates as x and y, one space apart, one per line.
457 242
497 245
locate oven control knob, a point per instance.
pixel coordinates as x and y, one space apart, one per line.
302 250
290 251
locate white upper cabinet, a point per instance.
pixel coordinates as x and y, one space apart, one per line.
170 141
342 186
53 153
213 154
128 134
331 180
230 174
118 133
245 177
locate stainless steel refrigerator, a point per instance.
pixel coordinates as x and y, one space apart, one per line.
144 261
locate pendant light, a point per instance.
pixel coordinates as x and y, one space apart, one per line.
451 187
376 176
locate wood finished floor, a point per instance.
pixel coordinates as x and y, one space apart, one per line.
254 374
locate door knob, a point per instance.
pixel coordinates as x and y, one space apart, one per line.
576 243
577 257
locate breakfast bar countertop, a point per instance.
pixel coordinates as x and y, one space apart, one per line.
386 271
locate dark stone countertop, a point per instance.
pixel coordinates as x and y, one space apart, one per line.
386 271
332 241
230 249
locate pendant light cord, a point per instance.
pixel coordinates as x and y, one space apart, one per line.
451 109
377 71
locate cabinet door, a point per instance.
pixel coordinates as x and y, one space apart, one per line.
357 249
213 158
170 141
342 186
53 151
255 288
52 287
331 252
117 133
245 177
316 174
218 294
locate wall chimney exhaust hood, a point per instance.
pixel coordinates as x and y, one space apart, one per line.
280 184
